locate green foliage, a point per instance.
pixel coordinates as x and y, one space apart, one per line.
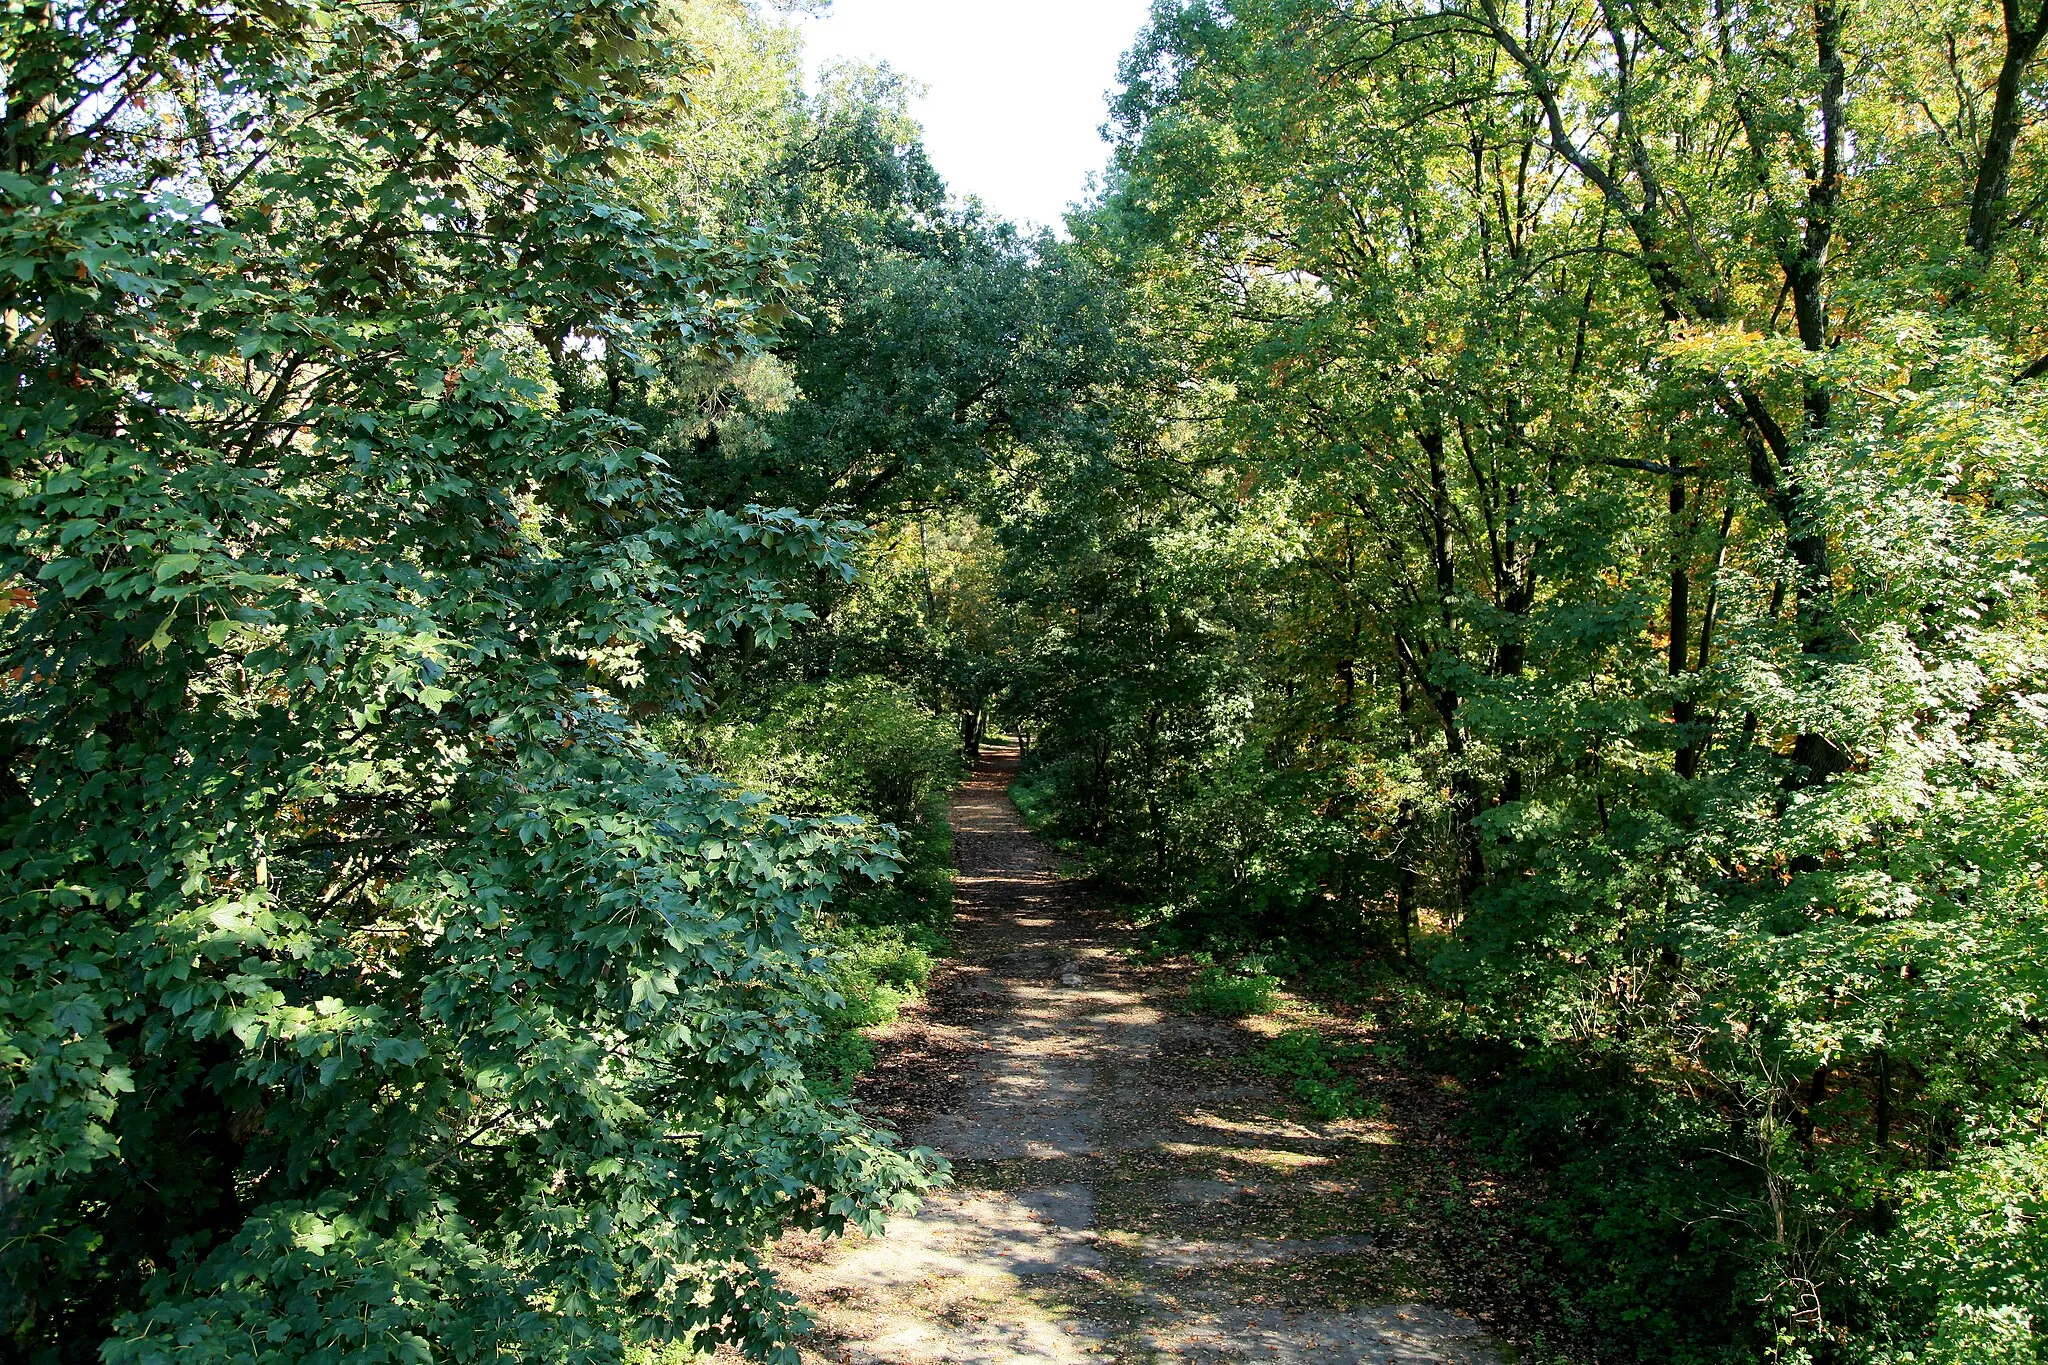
928 611
1569 526
1548 498
885 963
855 744
1309 1063
1632 1246
875 972
373 987
1970 1258
1230 994
863 754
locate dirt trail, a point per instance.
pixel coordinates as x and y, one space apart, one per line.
1124 1193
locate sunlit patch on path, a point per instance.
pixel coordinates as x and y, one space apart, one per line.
1120 1196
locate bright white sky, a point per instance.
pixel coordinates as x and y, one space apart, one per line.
1016 88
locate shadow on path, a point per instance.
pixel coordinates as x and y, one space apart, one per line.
1123 1192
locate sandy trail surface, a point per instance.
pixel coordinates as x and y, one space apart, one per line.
1123 1192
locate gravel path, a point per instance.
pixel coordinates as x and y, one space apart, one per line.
1124 1192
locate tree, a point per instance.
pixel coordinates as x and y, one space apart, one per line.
1605 384
373 987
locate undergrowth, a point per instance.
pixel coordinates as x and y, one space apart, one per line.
1233 994
865 748
877 970
1308 1062
886 940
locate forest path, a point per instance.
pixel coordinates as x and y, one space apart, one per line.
1123 1193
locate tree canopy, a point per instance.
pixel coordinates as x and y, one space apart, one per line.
1529 510
1580 527
375 987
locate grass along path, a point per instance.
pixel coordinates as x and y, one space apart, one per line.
1127 1188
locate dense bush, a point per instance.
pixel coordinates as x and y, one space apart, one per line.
1639 1227
1576 528
371 987
876 971
862 745
863 753
1228 994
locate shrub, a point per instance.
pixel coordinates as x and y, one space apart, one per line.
859 745
1638 1220
1307 1061
875 972
1232 995
860 751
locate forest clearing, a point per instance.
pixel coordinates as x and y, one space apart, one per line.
633 733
